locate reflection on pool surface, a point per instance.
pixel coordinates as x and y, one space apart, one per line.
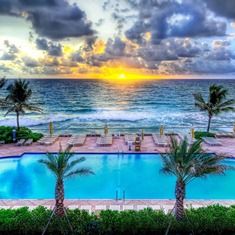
137 174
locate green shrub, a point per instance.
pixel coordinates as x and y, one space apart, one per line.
200 134
26 133
212 220
23 132
6 134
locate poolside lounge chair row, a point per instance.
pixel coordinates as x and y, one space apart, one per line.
24 142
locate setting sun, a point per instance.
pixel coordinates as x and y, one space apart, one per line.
122 76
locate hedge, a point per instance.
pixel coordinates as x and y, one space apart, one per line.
200 134
206 221
22 133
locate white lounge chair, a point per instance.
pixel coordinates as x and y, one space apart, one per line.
130 138
159 140
28 142
48 140
224 134
211 141
76 141
104 141
20 142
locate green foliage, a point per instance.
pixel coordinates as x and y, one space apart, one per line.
26 133
23 132
212 220
200 134
6 134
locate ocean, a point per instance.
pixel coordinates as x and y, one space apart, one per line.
78 106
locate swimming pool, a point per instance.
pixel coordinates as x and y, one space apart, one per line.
137 175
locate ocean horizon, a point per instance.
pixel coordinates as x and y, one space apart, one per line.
88 104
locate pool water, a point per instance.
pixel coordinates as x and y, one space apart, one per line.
137 175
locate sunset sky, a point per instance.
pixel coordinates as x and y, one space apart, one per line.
117 39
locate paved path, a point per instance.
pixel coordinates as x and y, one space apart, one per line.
98 205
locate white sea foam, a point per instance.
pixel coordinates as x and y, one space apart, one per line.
150 117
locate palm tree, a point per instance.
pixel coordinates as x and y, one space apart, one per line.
63 165
216 103
2 82
18 99
187 162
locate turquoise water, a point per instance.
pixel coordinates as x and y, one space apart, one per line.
137 174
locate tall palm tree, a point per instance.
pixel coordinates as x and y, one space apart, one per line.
18 99
187 162
64 165
216 103
2 82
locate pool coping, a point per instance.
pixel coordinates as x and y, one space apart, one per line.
93 205
92 153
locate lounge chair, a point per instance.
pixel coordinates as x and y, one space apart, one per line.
28 142
161 141
211 141
48 140
20 142
76 141
104 141
130 138
224 134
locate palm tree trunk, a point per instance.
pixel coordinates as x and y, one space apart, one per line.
209 123
180 195
18 120
59 197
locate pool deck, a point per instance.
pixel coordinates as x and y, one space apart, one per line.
120 205
147 146
227 148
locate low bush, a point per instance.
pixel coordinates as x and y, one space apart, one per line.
216 220
200 134
26 133
23 132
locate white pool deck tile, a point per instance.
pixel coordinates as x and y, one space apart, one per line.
99 205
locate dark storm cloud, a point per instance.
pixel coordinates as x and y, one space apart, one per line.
175 19
53 49
171 49
55 19
220 51
76 57
224 8
10 52
115 47
30 62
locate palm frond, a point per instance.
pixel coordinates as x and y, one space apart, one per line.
80 172
188 162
